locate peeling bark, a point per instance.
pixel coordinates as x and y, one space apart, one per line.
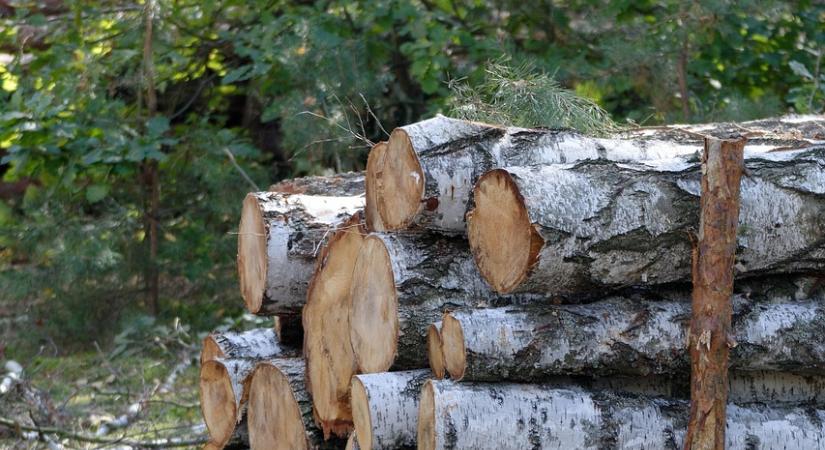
625 336
385 408
597 225
504 416
280 235
709 337
261 343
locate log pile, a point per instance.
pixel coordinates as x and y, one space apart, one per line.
486 287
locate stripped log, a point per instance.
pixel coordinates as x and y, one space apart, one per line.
621 335
385 408
435 353
261 343
339 185
329 356
279 238
597 225
504 416
280 409
224 390
401 284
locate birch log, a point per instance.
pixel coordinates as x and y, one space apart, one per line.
352 443
279 238
596 225
401 284
621 335
481 416
339 185
385 408
372 219
261 343
435 352
329 356
224 385
280 409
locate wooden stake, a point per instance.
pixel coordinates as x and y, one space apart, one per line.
713 258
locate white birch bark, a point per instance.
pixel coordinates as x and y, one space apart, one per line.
260 343
606 225
620 335
385 408
504 416
279 239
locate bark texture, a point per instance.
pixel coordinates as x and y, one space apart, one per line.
625 336
385 408
339 185
482 416
223 396
709 338
291 411
598 225
261 343
280 236
402 284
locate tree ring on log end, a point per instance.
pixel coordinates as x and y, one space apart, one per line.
504 242
374 309
426 418
435 354
273 414
399 181
218 402
329 359
453 348
361 413
252 258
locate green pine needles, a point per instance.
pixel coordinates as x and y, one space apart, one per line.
521 96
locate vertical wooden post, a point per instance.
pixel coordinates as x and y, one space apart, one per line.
713 258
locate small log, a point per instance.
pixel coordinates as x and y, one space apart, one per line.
224 390
279 238
371 217
261 343
597 225
480 416
401 284
435 353
329 355
624 336
709 337
339 185
280 409
385 408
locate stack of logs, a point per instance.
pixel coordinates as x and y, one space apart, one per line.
482 287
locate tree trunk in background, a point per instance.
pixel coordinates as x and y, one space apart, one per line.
150 175
710 337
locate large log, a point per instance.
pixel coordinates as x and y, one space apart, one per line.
622 335
426 173
329 356
280 409
224 390
260 343
597 225
504 416
385 408
401 284
278 240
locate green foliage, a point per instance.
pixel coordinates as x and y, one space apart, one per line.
519 96
77 138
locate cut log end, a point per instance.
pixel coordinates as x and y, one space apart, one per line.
217 402
375 162
453 348
273 414
211 350
426 418
330 361
361 413
373 316
435 353
400 182
252 260
504 242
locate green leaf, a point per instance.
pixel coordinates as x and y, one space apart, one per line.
239 74
157 125
800 69
96 192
